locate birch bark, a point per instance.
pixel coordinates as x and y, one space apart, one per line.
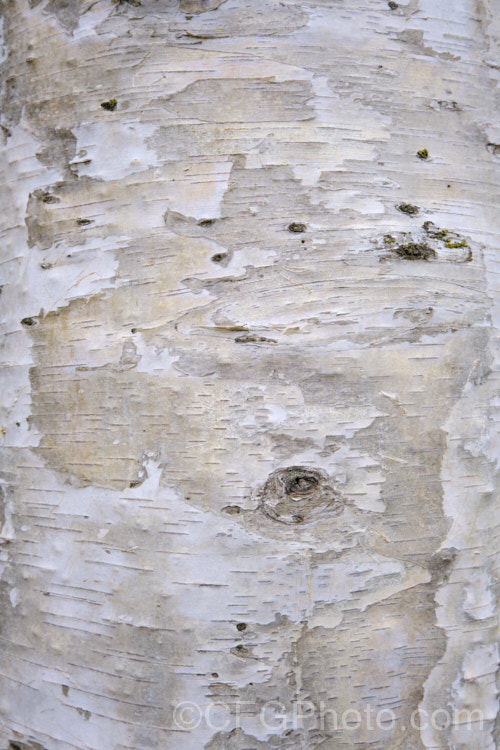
250 366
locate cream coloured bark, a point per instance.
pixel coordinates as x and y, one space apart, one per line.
250 292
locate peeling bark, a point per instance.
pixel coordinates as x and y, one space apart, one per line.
250 365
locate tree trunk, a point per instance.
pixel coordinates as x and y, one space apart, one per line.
250 293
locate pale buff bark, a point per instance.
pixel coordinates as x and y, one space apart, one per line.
250 373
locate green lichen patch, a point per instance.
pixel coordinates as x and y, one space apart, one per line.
455 243
433 231
423 154
451 240
296 227
428 242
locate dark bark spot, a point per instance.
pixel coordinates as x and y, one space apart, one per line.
299 481
408 208
28 322
441 564
443 104
84 714
48 198
415 251
252 338
110 105
240 650
493 148
297 228
198 6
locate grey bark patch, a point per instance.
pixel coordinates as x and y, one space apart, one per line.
40 230
2 507
415 39
415 315
59 150
255 209
199 6
407 612
129 357
286 446
236 739
46 226
68 12
262 17
441 564
298 495
242 100
181 141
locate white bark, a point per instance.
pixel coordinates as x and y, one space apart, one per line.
250 394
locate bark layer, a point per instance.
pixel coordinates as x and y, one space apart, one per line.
251 371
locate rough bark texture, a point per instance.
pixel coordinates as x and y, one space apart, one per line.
250 301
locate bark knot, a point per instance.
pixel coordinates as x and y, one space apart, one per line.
298 495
